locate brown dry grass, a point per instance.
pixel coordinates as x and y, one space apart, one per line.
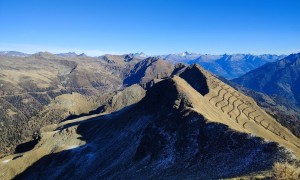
208 109
286 171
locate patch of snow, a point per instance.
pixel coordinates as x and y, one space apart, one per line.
6 161
250 135
72 147
182 54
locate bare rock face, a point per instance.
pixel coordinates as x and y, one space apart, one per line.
183 128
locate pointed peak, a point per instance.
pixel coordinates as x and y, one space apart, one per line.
140 55
184 53
82 55
196 77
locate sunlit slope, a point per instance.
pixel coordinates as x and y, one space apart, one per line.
224 104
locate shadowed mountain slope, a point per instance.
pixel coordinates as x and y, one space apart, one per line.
280 79
148 69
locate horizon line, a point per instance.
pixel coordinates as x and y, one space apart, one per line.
86 52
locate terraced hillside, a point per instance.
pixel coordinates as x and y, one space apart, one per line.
189 125
240 108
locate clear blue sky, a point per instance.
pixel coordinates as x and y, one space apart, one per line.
151 26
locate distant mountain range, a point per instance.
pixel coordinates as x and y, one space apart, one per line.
13 53
68 54
280 79
227 66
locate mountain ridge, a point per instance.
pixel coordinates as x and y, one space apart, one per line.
227 66
281 78
178 126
